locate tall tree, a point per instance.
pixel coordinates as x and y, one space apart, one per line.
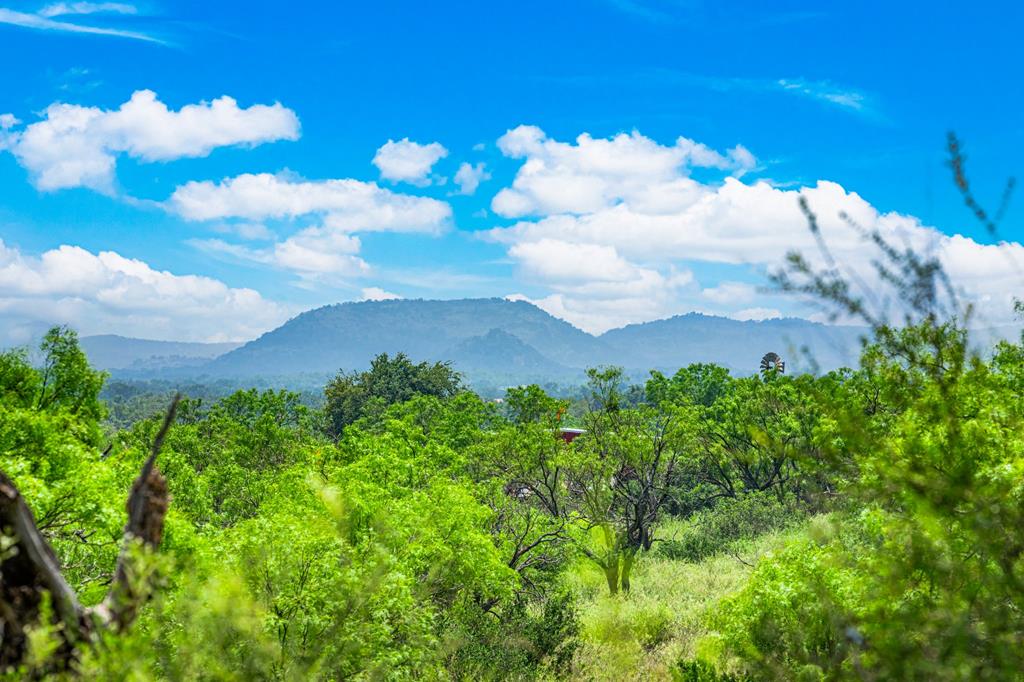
620 477
353 395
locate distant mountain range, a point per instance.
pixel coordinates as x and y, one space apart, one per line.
349 335
110 352
490 340
735 344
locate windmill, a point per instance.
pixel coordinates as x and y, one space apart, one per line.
772 362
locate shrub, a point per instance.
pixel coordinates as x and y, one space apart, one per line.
525 641
794 619
731 521
700 671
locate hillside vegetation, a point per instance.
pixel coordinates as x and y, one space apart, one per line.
862 524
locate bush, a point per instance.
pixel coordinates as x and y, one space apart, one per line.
699 671
796 616
523 642
712 531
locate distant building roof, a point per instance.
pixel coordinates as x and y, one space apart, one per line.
569 435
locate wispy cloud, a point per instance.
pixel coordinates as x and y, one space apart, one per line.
823 91
42 20
58 9
828 92
640 10
701 14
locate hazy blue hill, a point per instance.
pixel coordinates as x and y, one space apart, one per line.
108 351
348 335
491 340
499 354
738 345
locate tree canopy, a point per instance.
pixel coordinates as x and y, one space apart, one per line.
390 380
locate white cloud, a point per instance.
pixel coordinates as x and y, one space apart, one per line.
594 174
76 146
554 260
595 288
347 205
469 177
68 8
626 205
327 252
826 91
45 23
407 161
757 314
108 293
597 315
378 294
245 230
728 293
314 254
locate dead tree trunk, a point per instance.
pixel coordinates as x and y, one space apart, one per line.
29 570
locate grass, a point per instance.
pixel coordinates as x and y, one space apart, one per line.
642 635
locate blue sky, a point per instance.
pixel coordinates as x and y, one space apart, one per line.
123 212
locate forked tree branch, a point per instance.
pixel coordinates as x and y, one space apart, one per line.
30 571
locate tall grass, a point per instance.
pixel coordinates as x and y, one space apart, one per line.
645 633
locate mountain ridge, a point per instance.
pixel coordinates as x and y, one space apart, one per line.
491 339
115 352
348 335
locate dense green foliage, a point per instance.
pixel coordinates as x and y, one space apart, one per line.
351 396
924 581
859 525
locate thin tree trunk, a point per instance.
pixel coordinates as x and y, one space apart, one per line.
628 559
611 573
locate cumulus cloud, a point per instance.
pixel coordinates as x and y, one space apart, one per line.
327 251
347 205
469 177
408 161
76 146
629 205
560 261
594 174
106 292
378 294
727 293
315 253
594 287
757 314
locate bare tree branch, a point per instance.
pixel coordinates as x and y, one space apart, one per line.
29 569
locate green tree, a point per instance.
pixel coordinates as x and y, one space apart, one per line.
621 473
925 579
351 396
50 440
697 384
750 438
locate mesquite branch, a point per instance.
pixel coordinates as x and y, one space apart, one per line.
29 569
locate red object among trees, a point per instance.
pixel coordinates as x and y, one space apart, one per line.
569 435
